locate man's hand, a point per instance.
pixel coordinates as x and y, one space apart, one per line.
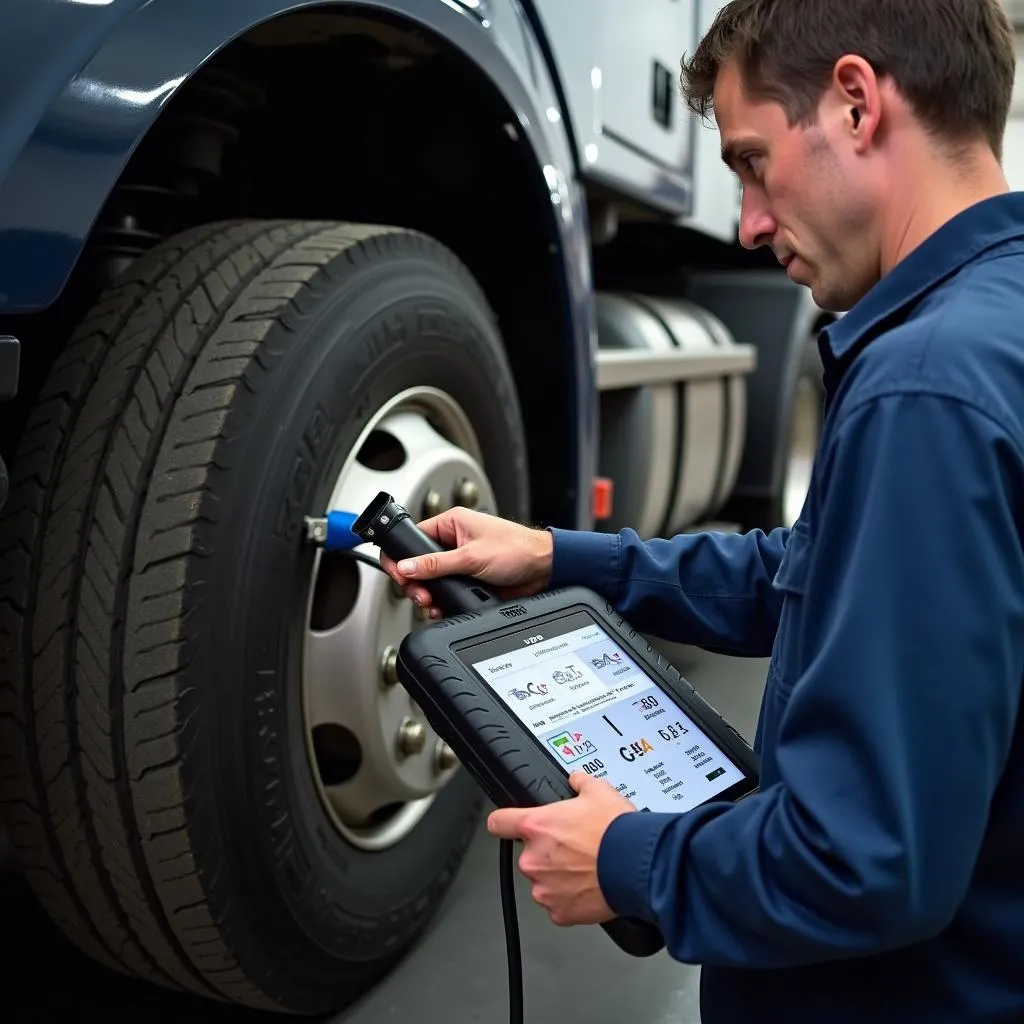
561 846
514 559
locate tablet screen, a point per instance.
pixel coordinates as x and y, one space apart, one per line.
591 708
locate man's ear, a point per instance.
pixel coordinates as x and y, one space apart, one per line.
856 92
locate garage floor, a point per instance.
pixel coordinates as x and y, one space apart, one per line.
575 974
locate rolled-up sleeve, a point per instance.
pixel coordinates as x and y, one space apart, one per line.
895 733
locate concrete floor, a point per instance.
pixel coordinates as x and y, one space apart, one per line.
458 972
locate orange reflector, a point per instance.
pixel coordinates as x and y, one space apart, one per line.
602 497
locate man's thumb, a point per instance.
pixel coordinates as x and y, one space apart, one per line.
432 565
580 781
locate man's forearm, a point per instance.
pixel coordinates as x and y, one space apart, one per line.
712 590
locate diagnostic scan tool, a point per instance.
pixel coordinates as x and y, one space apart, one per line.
527 691
589 694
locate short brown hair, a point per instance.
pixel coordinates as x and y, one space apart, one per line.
953 60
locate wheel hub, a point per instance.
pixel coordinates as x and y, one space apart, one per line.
376 759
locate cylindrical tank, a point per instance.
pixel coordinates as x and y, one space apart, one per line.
672 449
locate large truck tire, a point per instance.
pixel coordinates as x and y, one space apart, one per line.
208 772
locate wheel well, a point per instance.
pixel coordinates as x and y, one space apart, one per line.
361 117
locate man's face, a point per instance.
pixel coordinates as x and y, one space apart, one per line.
805 193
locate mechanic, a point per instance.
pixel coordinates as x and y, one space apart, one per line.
879 873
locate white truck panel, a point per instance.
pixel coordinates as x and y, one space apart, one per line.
715 209
612 57
618 61
638 105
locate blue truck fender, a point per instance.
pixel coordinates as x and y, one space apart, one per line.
88 81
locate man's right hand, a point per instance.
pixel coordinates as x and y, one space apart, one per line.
514 559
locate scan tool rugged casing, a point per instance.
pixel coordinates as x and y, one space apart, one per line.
507 761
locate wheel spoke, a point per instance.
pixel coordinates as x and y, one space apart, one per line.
362 797
361 486
416 435
331 697
369 789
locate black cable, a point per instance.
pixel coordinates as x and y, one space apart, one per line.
513 953
507 882
361 556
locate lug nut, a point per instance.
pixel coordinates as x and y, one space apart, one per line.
444 757
467 494
412 737
389 666
433 504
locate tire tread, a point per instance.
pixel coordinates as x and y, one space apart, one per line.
106 494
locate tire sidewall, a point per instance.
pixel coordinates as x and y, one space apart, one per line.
353 342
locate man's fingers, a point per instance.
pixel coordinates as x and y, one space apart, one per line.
391 568
420 595
441 528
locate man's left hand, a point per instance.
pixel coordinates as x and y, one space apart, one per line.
561 842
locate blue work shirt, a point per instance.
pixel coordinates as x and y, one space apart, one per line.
878 875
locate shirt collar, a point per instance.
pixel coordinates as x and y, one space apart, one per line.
970 233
